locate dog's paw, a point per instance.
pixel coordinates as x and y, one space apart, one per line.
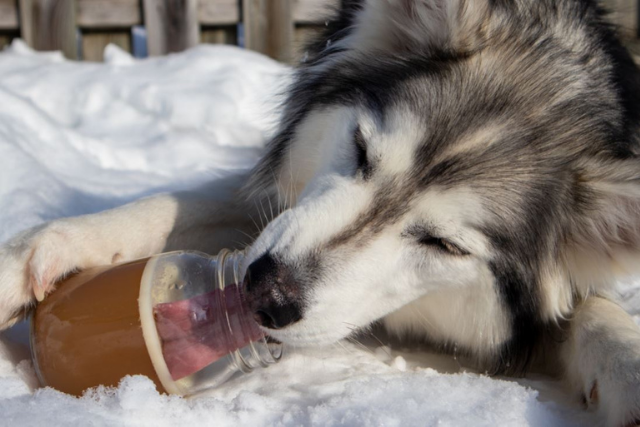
29 266
35 260
617 395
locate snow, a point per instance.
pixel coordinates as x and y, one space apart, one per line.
81 137
77 138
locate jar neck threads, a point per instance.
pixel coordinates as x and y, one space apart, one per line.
196 322
258 353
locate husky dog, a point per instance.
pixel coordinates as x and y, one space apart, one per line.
465 171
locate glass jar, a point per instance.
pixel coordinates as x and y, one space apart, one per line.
179 318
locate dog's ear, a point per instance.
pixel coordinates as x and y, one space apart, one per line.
417 25
604 238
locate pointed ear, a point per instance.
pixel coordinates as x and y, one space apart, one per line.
418 25
604 237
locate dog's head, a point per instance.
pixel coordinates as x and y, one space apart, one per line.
441 147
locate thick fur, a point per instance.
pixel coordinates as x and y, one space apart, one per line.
465 170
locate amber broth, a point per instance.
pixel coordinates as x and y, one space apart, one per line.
88 333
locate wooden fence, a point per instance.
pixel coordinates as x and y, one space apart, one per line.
82 28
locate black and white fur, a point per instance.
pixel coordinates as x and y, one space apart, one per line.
464 170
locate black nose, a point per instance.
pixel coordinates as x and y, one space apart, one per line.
273 294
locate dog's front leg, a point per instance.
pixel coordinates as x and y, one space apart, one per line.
32 262
602 361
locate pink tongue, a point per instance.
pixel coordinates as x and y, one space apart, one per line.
195 334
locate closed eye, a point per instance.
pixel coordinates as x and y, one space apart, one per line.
362 157
425 238
443 244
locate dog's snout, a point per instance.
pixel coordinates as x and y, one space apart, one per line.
273 294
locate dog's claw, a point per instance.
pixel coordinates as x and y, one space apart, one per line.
13 320
39 293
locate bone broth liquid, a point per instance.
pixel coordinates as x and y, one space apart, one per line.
177 318
88 331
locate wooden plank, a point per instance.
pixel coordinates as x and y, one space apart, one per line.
172 25
624 15
108 13
8 14
313 11
218 12
93 44
228 35
280 31
254 19
50 25
268 27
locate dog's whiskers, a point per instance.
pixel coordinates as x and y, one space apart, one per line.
271 209
258 229
422 317
239 244
360 345
281 205
258 207
371 334
352 339
340 345
251 238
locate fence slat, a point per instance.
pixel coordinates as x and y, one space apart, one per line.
172 25
8 15
268 27
218 12
93 44
108 13
312 11
50 25
254 18
220 36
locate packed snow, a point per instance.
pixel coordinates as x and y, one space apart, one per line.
78 137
